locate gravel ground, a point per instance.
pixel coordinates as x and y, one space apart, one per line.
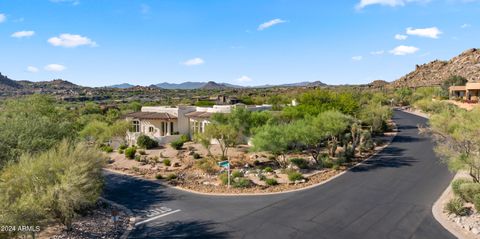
96 224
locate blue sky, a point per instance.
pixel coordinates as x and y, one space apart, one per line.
246 42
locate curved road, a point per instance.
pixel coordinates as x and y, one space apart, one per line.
390 196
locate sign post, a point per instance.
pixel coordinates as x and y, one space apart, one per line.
226 164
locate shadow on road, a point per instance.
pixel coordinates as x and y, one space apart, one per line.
181 229
135 194
390 157
407 139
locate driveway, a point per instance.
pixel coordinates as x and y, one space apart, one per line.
390 196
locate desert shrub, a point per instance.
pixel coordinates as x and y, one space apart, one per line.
262 177
167 162
336 167
456 185
327 162
106 148
177 144
294 176
241 183
223 178
184 138
158 176
138 158
469 190
122 147
207 165
237 174
130 152
300 162
271 182
476 202
171 176
142 152
146 142
121 151
455 206
196 156
268 169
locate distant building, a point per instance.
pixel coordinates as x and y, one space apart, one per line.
166 124
469 92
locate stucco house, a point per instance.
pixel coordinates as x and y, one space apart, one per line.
166 124
470 91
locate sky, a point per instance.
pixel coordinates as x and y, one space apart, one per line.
243 42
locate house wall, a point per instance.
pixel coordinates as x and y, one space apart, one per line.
182 122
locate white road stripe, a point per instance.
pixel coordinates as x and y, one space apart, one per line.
154 218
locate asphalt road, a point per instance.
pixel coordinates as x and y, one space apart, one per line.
390 196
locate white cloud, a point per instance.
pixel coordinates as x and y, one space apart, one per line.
22 34
381 52
270 23
357 58
401 37
431 32
70 40
32 69
73 2
466 25
404 50
244 79
194 62
55 67
390 3
144 9
2 17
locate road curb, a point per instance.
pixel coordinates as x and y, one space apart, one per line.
395 131
130 214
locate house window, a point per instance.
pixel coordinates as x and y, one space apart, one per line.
136 126
171 128
151 129
201 130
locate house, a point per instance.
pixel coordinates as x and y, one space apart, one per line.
469 92
162 123
166 124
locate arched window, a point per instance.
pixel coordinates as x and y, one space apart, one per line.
136 126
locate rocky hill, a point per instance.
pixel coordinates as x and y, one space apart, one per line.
8 84
436 72
211 85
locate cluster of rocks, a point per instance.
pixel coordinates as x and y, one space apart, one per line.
436 72
97 224
470 223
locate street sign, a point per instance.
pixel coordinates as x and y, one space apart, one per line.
224 164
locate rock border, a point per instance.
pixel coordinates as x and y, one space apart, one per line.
129 213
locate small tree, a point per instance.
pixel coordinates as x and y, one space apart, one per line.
275 139
204 141
226 136
146 142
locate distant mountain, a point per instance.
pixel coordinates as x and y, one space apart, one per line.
57 84
467 65
121 86
182 86
211 85
7 83
299 84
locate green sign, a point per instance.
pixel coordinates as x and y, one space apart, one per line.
224 164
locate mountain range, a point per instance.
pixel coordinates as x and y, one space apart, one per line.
189 85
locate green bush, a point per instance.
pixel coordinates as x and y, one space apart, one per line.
121 151
476 202
456 185
327 163
268 169
146 142
167 162
138 158
469 190
122 147
130 152
106 148
294 176
207 165
196 156
223 178
300 162
158 176
171 176
184 138
455 206
177 144
142 152
241 183
271 182
237 174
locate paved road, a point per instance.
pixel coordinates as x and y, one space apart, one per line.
390 196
